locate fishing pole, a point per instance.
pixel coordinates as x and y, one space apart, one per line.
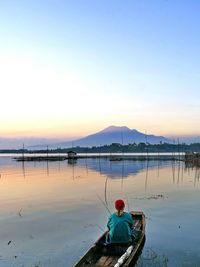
104 204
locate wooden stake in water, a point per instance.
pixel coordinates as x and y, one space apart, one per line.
47 152
23 152
147 149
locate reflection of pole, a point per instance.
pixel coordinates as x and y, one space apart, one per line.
99 163
178 171
173 170
73 169
23 168
23 165
178 160
110 165
47 168
34 160
179 156
174 149
182 171
122 180
146 178
86 165
47 160
158 162
59 165
158 168
195 177
197 174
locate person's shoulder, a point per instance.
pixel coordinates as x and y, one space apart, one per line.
127 214
112 215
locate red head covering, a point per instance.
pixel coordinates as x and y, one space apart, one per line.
119 204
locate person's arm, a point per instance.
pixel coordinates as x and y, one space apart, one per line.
108 224
131 221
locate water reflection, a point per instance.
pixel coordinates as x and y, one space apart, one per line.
196 169
120 169
60 209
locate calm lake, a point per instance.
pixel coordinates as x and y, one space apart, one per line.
52 212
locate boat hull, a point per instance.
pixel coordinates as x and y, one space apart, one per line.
98 256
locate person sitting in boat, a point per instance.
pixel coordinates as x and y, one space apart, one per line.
120 225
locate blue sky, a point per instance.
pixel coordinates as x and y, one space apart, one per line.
133 63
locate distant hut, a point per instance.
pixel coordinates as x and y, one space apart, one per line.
71 154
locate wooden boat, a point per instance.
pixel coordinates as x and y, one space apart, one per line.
98 256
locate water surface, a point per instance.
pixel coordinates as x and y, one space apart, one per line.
52 212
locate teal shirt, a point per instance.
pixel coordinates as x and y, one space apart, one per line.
120 228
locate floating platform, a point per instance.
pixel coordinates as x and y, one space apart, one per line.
108 156
41 158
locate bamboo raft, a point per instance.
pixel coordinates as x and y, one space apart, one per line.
97 256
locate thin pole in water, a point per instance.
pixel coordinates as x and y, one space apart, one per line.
122 137
146 143
23 165
23 152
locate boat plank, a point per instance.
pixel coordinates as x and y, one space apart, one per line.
106 261
113 261
138 225
109 261
137 221
102 261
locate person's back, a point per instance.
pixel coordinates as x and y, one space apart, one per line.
120 224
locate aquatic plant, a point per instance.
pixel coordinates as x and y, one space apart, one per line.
150 258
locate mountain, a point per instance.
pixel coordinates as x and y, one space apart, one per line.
115 134
17 143
111 134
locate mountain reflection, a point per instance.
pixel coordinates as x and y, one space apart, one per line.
119 169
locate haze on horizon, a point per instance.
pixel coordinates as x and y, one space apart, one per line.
72 68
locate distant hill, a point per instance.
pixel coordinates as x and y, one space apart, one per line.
111 134
115 134
17 143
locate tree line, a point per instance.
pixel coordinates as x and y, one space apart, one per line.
118 148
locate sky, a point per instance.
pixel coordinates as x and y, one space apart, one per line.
72 68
